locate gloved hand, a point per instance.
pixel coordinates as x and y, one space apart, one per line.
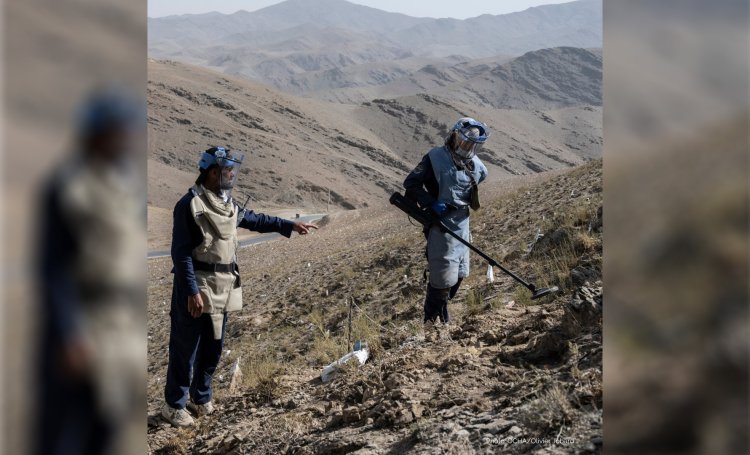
439 208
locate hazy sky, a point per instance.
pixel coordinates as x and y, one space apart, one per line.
419 8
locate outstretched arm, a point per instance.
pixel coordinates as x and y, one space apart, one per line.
265 223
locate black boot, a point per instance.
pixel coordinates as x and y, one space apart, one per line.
436 304
454 289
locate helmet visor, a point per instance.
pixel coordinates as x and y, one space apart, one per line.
229 167
469 142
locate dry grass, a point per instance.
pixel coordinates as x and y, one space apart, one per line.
260 374
522 296
474 302
178 444
327 348
549 411
367 329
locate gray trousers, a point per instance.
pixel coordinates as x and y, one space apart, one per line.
448 263
447 258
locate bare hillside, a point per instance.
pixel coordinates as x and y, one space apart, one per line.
299 149
505 370
543 79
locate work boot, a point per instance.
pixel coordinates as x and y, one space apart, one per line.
177 417
436 304
201 410
431 333
444 332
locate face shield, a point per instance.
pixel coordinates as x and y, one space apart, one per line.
229 166
470 136
466 144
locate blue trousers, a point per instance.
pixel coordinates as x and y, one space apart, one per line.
68 419
193 355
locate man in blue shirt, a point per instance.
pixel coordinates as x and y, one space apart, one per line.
90 263
445 181
207 280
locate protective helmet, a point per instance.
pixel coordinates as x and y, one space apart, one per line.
110 108
470 136
228 162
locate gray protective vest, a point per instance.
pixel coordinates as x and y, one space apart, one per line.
217 220
448 258
454 184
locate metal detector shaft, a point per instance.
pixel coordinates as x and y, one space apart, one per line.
426 219
491 261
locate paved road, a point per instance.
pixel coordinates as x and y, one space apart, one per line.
251 241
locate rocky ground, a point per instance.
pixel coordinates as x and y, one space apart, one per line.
507 375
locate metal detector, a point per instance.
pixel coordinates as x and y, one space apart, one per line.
427 219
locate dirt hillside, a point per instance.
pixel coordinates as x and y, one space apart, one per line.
507 375
298 149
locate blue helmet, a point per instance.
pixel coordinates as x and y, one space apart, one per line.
219 156
470 135
466 124
228 163
110 108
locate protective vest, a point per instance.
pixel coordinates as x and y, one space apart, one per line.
105 212
102 209
217 220
454 184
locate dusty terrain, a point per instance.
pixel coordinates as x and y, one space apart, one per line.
506 375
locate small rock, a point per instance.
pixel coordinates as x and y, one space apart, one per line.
350 414
336 418
499 426
417 409
317 409
462 433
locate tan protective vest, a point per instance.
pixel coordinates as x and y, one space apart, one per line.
105 211
107 216
217 220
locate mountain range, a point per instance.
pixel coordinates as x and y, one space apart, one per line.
310 48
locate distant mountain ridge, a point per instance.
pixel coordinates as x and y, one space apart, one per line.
542 79
285 44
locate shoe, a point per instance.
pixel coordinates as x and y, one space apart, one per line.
444 332
177 417
430 332
201 410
